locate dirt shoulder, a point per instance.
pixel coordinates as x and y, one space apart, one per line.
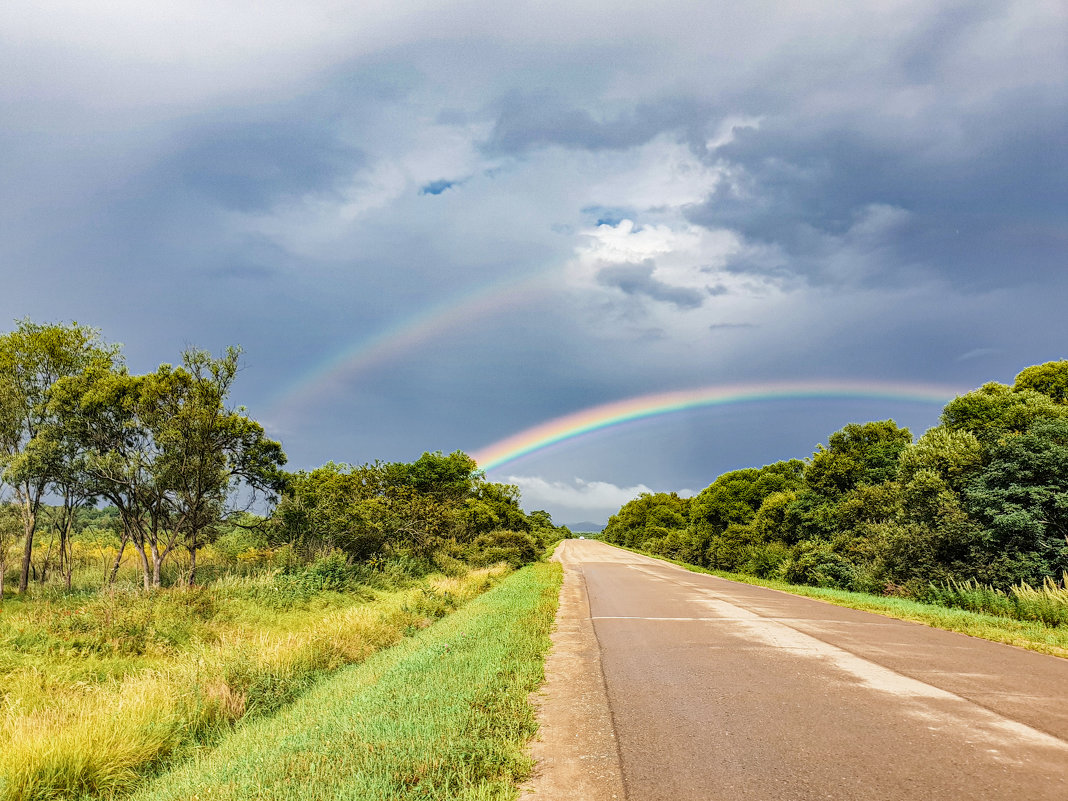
576 752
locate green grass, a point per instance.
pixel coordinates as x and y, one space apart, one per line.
100 690
1031 634
443 715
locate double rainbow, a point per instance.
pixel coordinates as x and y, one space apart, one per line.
597 418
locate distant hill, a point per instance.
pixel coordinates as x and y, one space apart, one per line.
586 527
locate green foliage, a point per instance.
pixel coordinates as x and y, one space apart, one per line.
736 497
954 455
35 454
816 563
858 454
1021 500
765 561
994 411
1051 379
649 516
729 549
1047 604
434 509
517 548
451 477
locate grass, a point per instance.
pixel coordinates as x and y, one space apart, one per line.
98 690
1047 604
444 715
1035 635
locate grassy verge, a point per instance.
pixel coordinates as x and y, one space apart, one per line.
444 715
1033 635
82 715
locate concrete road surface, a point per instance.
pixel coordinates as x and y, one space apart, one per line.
666 684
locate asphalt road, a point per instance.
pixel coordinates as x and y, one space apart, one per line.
718 690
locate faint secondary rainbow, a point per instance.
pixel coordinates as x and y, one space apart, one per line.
409 334
607 415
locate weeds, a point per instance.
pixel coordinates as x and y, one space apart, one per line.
1047 604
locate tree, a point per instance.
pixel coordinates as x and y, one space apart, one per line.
953 455
1021 499
860 453
10 524
1051 379
333 507
735 497
165 450
208 449
994 411
451 477
650 516
491 506
33 358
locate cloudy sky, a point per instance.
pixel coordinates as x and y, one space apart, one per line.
431 225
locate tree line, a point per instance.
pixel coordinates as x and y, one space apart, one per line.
175 463
981 497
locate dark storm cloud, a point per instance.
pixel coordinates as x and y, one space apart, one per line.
637 279
976 218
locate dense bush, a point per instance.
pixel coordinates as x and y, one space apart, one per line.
504 545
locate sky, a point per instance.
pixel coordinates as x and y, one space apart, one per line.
433 225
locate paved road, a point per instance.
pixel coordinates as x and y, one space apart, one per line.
718 690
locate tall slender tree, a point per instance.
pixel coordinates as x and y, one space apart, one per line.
33 358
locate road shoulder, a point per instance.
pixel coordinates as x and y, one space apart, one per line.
576 754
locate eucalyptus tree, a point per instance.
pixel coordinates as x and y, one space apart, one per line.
209 450
165 449
33 358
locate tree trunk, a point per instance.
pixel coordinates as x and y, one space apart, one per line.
118 557
193 560
146 568
65 567
157 561
29 524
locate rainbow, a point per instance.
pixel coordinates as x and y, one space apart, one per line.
408 334
598 418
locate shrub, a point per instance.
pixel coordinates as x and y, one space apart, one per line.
815 563
764 561
503 545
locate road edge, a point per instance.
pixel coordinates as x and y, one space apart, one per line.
576 753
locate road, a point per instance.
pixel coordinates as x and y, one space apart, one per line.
667 684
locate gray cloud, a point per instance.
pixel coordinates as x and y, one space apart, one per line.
527 120
637 279
254 164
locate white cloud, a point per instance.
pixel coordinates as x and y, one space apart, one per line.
579 494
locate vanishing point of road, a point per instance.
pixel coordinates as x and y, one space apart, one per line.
667 684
